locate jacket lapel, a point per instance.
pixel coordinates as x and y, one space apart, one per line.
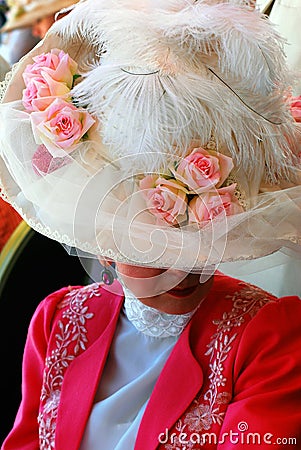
174 391
81 382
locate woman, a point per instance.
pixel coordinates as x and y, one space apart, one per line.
213 368
149 152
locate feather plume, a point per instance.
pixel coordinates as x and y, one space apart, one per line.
175 70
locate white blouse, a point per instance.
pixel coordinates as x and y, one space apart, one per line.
142 343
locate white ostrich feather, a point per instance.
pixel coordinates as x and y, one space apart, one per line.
176 70
236 36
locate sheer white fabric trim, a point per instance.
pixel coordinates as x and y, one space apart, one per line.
152 322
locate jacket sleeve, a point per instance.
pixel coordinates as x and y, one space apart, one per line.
265 411
24 434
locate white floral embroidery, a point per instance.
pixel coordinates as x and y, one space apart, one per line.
202 415
71 339
177 442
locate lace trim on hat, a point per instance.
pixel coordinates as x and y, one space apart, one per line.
152 322
4 83
7 79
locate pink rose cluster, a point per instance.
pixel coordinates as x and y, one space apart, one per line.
194 192
58 125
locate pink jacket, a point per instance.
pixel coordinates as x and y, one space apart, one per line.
232 381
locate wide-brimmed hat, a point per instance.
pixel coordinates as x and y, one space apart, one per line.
24 13
143 132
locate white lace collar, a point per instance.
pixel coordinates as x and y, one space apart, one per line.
152 322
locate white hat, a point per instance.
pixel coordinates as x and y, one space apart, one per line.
155 155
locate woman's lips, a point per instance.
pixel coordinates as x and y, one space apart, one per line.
182 292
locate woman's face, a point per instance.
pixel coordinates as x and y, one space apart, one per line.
171 290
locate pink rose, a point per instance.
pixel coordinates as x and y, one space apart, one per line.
60 127
165 199
51 75
295 106
39 93
209 205
202 170
57 64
